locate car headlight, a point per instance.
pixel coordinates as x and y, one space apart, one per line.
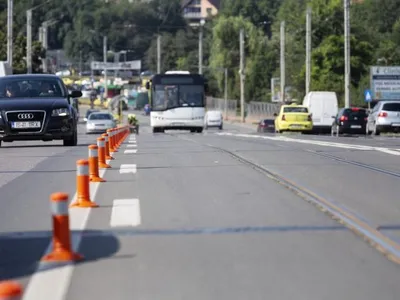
60 112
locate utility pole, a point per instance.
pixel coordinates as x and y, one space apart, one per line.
242 75
105 67
45 44
80 63
158 54
282 62
347 69
29 41
201 49
308 50
226 92
10 9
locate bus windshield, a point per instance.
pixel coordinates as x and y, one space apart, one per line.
173 96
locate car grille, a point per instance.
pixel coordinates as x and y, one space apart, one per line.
14 116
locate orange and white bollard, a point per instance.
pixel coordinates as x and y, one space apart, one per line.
82 185
107 146
62 249
102 153
113 141
94 164
119 130
10 290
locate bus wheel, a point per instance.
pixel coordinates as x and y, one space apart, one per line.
192 130
200 130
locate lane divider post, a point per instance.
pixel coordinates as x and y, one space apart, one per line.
94 164
114 140
10 290
102 153
62 249
82 185
107 146
110 141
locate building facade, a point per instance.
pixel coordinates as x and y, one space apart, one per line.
196 10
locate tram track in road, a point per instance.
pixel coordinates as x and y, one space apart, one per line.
323 154
362 228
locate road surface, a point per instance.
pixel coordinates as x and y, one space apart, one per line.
226 214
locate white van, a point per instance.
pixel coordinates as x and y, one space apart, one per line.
322 106
213 118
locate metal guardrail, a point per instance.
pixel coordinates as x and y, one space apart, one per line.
255 111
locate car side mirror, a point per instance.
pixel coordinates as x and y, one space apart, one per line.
75 94
275 114
333 117
147 85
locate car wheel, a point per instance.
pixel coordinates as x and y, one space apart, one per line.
367 131
71 141
332 131
0 143
376 130
221 127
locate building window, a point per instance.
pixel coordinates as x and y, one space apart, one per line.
191 9
209 11
195 2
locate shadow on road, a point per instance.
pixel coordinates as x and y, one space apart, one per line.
20 252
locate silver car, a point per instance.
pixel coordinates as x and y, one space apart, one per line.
99 122
384 117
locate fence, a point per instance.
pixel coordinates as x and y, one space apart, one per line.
219 104
255 111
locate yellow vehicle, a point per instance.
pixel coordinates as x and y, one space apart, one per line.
293 118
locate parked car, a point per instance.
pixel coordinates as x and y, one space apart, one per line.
350 121
266 125
384 117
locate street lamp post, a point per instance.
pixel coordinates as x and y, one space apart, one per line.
202 22
10 9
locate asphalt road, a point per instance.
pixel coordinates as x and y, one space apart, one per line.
192 216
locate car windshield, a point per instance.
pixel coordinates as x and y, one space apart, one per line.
295 109
171 96
268 121
31 88
391 107
90 112
361 113
100 117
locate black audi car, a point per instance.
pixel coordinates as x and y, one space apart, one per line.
37 107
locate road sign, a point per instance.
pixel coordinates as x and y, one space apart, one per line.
129 65
385 82
367 96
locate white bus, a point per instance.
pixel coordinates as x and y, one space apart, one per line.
177 102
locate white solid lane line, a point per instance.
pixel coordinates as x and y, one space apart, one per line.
132 142
131 146
53 284
126 169
125 212
316 142
130 151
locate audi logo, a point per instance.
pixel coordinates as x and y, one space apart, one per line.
25 116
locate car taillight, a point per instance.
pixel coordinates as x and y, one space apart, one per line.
382 114
283 118
309 118
343 118
365 119
355 109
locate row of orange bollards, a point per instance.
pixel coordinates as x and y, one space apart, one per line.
87 171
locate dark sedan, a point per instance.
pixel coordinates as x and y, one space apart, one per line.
37 107
349 121
266 125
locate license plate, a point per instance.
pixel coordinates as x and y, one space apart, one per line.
396 124
178 124
355 126
23 125
100 125
296 126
